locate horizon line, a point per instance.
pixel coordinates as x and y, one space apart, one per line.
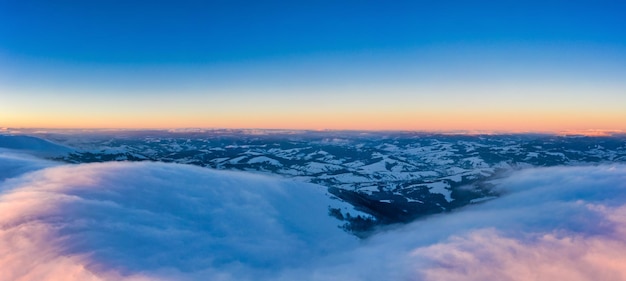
566 132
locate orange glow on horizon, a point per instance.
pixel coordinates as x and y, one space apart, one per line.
394 121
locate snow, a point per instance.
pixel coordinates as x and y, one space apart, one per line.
354 164
389 147
317 167
368 189
108 150
455 170
454 178
219 160
346 178
476 162
373 168
440 187
237 159
264 159
32 145
530 155
559 154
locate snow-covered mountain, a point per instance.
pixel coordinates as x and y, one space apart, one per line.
145 220
396 177
33 145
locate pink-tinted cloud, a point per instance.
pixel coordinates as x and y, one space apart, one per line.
563 223
487 255
132 220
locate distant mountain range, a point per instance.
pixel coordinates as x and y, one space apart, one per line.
394 177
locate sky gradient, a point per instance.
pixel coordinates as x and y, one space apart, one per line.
362 65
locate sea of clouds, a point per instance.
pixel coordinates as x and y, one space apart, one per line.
157 221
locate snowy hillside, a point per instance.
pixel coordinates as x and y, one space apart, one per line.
396 177
32 145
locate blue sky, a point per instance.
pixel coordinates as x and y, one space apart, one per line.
205 32
246 61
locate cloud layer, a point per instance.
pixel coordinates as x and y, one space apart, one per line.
14 163
553 224
154 221
125 218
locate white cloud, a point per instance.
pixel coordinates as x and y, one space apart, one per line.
488 255
136 218
553 224
14 163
